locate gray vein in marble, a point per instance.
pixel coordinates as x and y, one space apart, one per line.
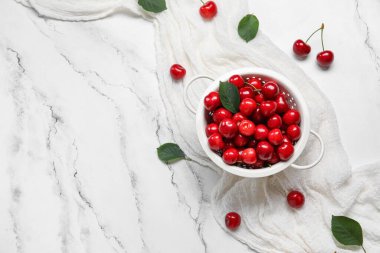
88 203
367 40
120 121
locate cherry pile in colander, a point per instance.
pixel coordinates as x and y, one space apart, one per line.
264 130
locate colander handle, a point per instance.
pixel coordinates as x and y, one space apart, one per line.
186 98
319 158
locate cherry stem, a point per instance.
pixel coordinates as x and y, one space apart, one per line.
256 89
364 249
323 46
202 2
320 28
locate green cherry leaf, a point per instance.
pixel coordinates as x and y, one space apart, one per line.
248 27
170 152
346 230
229 96
155 6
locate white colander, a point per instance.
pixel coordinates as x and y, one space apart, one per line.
295 100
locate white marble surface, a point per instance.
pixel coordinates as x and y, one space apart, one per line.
82 115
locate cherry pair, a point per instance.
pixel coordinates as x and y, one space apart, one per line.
302 49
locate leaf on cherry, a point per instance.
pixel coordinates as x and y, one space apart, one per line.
170 152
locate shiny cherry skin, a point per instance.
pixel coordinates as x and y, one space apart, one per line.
270 90
275 137
247 106
268 108
238 117
240 140
264 150
301 49
274 159
261 132
247 127
287 140
291 117
248 156
246 92
211 129
325 58
232 220
294 132
228 128
255 82
296 199
221 114
212 101
285 151
230 156
215 142
237 80
208 10
177 71
274 121
259 98
282 104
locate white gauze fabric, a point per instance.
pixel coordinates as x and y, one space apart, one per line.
212 48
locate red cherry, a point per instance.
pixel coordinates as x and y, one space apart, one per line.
230 156
247 106
285 151
259 98
255 82
275 159
208 10
325 58
240 140
221 114
275 137
211 128
296 199
261 132
246 92
247 127
282 104
257 117
270 90
259 163
238 117
237 80
294 132
232 220
177 71
215 142
212 101
291 117
268 108
264 150
228 128
274 121
248 156
301 49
